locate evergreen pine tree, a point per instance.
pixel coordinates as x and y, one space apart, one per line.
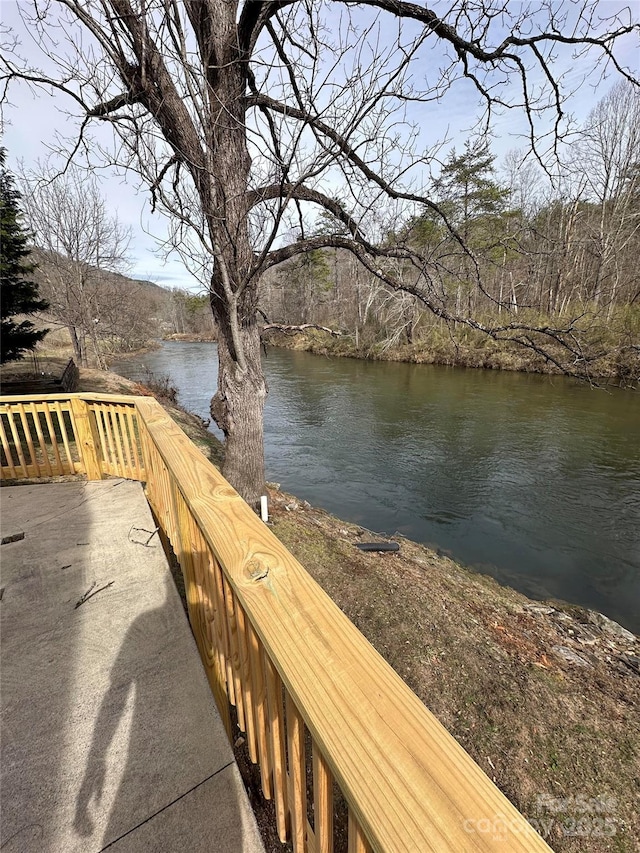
466 189
18 295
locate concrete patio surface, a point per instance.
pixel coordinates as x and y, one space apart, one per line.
110 735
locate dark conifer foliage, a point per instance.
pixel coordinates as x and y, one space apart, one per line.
18 295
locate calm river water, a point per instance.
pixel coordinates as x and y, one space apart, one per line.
534 480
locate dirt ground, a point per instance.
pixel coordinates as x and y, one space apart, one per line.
544 696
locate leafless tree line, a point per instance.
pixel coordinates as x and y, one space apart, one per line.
560 250
80 248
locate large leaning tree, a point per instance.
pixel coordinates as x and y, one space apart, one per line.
242 117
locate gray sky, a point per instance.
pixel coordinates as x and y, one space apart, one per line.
33 120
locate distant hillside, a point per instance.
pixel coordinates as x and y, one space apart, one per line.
48 263
96 311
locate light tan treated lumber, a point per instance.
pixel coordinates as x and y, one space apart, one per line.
134 443
64 396
54 440
60 412
219 640
43 447
259 686
234 648
27 434
115 429
87 438
246 682
357 840
106 420
297 779
17 443
409 784
277 746
10 467
213 660
127 442
322 802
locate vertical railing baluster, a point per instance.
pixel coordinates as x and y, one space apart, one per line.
6 447
277 744
357 839
17 443
131 421
33 408
54 440
297 774
234 648
115 428
29 440
57 407
214 585
245 681
122 423
224 629
322 802
261 714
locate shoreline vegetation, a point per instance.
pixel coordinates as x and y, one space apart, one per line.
545 696
620 366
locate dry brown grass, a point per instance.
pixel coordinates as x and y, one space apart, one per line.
482 658
618 343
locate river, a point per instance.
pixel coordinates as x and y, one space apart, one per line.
533 480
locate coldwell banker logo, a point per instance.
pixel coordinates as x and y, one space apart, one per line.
575 816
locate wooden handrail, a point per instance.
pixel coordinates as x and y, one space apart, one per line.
65 395
48 435
278 649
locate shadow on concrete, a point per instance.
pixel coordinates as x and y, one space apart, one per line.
43 576
114 741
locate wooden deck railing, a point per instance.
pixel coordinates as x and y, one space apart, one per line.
319 706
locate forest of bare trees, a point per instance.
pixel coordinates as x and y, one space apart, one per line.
80 249
547 251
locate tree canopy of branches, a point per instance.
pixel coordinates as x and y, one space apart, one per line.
18 295
242 116
81 242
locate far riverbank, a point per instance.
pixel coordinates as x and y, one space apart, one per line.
620 367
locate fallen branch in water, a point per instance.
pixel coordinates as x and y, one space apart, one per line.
293 330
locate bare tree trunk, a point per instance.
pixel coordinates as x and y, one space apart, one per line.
237 408
238 404
77 347
101 363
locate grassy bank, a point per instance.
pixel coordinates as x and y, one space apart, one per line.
617 340
545 697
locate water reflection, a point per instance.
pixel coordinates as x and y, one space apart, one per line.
533 479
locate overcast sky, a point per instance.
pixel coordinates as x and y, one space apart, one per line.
32 121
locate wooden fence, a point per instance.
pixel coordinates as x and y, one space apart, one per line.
70 376
320 708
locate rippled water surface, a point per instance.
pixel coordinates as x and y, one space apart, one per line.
534 480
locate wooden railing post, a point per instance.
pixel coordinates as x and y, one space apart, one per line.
87 438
